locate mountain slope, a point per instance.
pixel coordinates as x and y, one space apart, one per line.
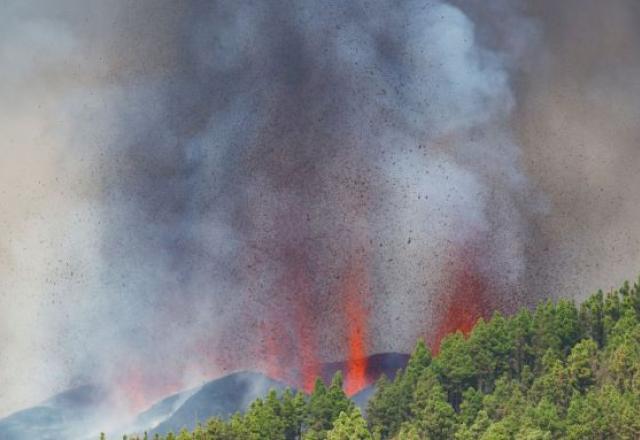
221 397
68 415
376 365
161 411
64 416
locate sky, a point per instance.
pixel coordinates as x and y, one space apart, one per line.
192 188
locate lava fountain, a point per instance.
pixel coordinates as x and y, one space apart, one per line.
356 314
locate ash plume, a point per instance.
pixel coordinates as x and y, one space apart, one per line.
199 187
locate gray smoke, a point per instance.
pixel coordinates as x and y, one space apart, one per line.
180 177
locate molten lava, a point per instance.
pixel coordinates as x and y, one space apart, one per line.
355 292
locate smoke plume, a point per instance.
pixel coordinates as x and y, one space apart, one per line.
199 187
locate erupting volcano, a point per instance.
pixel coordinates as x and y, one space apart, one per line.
465 297
291 342
192 189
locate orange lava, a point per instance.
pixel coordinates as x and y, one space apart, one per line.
466 299
288 336
356 314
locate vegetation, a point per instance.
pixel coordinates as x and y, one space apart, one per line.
558 372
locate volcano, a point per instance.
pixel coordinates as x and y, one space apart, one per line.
221 398
375 366
67 415
64 416
234 393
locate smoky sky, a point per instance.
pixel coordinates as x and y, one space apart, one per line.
190 188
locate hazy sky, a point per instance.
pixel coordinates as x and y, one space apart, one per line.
189 188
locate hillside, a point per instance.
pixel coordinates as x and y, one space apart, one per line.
222 397
65 415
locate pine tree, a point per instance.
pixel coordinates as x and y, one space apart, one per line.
263 420
592 318
184 435
293 414
583 364
419 361
455 365
319 410
490 345
434 416
384 410
338 400
471 405
624 362
554 384
391 405
520 328
349 426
